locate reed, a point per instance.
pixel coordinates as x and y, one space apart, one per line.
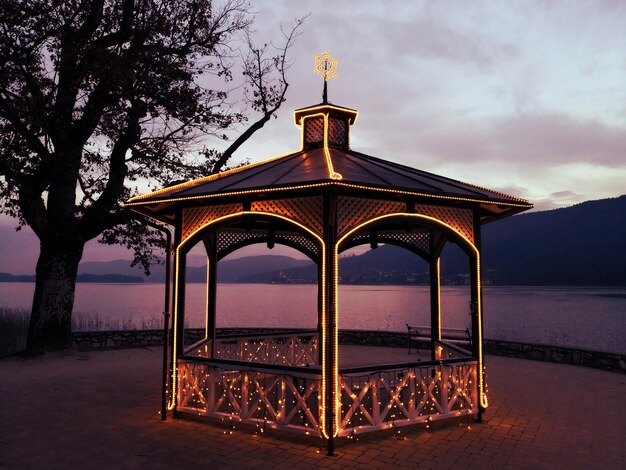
14 326
13 330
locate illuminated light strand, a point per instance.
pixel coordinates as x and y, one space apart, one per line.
335 338
298 120
438 298
300 114
205 179
322 417
334 335
206 306
326 65
526 205
173 397
172 402
333 175
482 397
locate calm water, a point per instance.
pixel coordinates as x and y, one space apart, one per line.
590 318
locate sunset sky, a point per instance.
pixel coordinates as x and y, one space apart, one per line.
525 97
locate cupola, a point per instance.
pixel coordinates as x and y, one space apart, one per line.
325 124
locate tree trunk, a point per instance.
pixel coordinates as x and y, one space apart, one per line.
50 326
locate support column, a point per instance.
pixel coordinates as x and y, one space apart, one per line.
178 318
435 304
476 316
476 327
320 305
210 244
330 353
167 366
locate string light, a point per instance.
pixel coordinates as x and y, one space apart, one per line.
250 352
482 397
521 204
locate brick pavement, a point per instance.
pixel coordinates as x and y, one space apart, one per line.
101 410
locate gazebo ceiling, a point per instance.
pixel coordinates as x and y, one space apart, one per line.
317 165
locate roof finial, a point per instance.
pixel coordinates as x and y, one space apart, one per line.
326 66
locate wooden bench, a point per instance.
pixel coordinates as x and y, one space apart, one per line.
452 335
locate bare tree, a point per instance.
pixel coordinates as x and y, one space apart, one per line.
100 96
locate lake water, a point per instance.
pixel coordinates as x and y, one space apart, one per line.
587 317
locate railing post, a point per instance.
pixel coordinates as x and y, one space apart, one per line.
245 383
412 396
444 388
375 402
281 401
211 400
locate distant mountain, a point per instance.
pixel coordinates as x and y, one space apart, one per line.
580 245
262 268
94 278
254 268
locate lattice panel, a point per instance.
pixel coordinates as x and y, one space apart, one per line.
419 238
354 211
196 217
306 211
337 134
461 219
228 237
300 240
313 130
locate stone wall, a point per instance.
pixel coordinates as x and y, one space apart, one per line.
540 352
146 338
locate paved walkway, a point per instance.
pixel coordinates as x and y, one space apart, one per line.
101 410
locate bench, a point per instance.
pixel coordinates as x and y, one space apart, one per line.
452 335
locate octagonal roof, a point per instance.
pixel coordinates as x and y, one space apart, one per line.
325 158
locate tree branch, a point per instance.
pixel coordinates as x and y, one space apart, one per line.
124 33
267 110
114 188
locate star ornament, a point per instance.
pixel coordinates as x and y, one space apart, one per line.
326 65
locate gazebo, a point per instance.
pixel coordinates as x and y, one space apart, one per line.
322 200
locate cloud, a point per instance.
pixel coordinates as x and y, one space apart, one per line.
428 36
523 139
567 194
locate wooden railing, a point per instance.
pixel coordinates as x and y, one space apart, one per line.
289 349
267 397
277 394
401 395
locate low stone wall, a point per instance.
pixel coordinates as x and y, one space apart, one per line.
84 340
117 339
562 355
538 352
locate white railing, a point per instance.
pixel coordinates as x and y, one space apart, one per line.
389 398
289 349
286 397
262 397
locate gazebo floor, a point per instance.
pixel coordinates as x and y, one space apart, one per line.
365 356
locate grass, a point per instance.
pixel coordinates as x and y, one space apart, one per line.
14 326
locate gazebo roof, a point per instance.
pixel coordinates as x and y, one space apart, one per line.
326 159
